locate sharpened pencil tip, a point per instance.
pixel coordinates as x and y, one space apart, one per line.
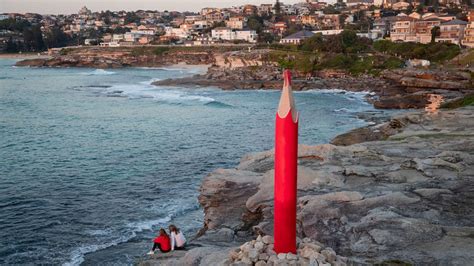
287 103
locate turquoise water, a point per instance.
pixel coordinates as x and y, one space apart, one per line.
93 162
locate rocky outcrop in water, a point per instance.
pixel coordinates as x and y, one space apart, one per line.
408 198
120 57
249 70
413 88
394 89
269 77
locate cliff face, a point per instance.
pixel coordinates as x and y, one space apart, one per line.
415 88
409 198
121 57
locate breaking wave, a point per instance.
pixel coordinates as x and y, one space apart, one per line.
99 72
77 255
146 90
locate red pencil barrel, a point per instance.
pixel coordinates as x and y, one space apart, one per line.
286 155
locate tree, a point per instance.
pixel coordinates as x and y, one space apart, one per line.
131 17
17 25
313 43
293 28
56 38
330 9
33 39
12 47
435 32
349 38
419 8
277 9
255 23
266 37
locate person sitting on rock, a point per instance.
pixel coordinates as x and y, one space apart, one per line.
162 242
177 238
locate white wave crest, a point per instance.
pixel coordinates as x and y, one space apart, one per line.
77 255
146 90
342 110
99 72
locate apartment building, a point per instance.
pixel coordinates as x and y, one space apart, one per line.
236 23
468 39
228 34
452 31
423 29
403 29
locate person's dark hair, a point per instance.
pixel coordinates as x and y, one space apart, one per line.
163 232
173 228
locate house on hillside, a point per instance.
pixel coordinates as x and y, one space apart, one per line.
468 39
228 34
297 38
403 29
423 29
452 31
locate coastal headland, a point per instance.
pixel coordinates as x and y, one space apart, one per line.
396 192
260 68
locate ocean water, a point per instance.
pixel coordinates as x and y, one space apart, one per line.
93 162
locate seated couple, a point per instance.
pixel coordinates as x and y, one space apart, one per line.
166 243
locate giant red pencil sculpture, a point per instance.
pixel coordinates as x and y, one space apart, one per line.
286 155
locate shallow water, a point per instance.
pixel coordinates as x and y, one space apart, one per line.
93 162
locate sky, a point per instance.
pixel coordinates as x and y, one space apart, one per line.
73 6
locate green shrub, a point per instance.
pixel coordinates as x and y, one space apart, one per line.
435 52
392 63
160 50
465 101
286 64
65 51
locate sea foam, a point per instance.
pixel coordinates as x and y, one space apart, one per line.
144 89
98 72
77 255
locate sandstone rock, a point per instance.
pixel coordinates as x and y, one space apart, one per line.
408 197
273 259
291 256
253 254
259 246
431 192
263 256
267 239
329 254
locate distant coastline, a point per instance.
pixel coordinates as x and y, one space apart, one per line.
23 56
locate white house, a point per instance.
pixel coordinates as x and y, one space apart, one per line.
176 33
201 25
246 35
131 37
228 34
297 38
328 32
222 33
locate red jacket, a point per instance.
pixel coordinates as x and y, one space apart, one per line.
164 242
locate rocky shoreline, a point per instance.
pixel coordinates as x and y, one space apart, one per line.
408 198
401 191
118 58
393 89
